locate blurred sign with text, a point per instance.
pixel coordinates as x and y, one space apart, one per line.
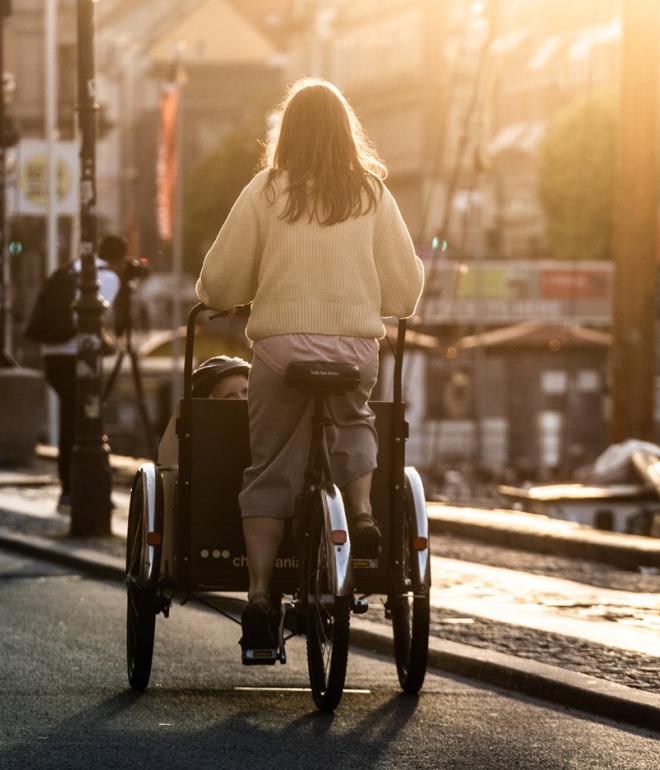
29 189
496 292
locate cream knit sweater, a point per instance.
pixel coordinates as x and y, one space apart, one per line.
306 277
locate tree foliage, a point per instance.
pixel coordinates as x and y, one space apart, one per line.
576 178
211 188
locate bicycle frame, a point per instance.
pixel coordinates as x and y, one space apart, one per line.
398 449
184 432
318 477
401 478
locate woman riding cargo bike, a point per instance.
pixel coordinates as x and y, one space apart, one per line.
316 245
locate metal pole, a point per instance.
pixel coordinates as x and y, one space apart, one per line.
635 225
5 356
50 77
51 134
90 472
177 242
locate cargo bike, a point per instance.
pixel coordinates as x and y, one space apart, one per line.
185 538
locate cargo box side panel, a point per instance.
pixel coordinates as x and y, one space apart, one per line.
220 452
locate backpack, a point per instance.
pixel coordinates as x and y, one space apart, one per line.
52 320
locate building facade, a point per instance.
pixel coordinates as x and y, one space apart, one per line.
457 97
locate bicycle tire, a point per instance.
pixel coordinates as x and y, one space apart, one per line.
410 618
140 600
328 622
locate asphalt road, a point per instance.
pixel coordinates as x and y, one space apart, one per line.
65 702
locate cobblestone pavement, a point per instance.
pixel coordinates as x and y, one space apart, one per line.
620 666
589 572
616 665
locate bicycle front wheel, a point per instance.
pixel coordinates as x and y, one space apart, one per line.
328 622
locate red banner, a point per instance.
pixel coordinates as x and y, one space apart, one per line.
166 163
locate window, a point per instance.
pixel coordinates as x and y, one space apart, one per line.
554 382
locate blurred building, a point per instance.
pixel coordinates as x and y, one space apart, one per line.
530 398
25 60
545 55
25 66
227 53
386 56
457 96
225 56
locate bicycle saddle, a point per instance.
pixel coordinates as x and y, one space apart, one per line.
319 377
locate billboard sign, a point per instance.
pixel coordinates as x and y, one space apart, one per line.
29 193
498 292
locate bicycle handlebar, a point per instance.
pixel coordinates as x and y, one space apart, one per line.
200 307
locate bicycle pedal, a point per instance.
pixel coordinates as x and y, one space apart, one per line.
260 657
364 563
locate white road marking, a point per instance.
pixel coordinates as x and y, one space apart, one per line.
347 690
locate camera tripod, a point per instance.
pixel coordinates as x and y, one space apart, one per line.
124 328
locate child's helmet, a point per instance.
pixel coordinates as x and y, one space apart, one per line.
214 369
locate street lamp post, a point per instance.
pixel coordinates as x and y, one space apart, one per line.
5 357
5 9
90 471
633 360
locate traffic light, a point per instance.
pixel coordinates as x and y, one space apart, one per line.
440 243
15 245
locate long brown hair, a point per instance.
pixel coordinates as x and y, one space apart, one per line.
333 170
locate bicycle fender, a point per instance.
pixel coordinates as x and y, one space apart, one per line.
148 560
417 501
339 555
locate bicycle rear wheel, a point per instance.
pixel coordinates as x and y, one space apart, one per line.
140 606
328 621
410 612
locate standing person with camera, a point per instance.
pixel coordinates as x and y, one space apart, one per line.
58 335
132 272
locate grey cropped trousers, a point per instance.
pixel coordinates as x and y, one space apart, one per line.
280 438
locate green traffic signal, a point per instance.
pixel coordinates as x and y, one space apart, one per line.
15 248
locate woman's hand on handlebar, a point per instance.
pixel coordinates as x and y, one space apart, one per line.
220 314
236 310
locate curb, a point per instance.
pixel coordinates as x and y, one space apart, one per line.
67 554
603 547
537 680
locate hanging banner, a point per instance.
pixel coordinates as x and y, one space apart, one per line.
28 187
166 162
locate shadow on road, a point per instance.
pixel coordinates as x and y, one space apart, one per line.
197 728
